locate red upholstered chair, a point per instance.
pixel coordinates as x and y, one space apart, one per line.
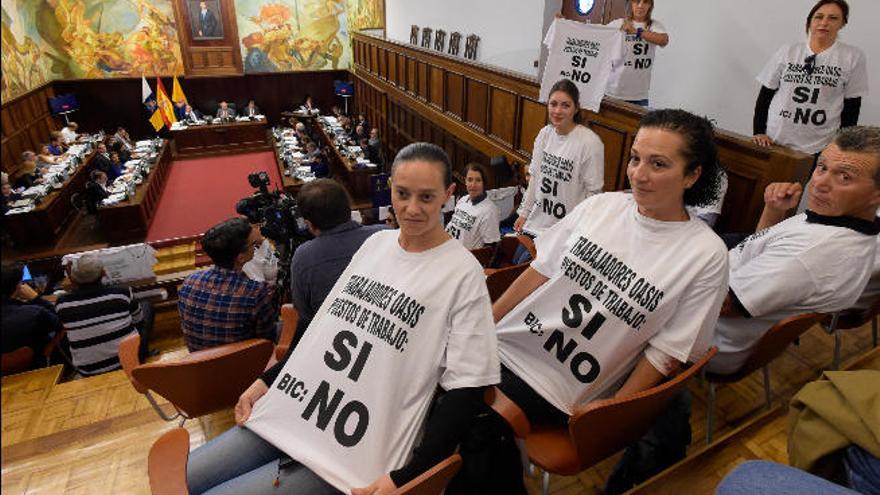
201 382
596 430
17 361
498 280
289 320
848 320
771 345
168 457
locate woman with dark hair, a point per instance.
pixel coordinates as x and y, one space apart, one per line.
630 80
626 288
475 220
812 88
411 312
568 164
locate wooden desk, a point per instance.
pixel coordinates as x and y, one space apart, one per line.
343 168
290 184
42 225
214 139
127 221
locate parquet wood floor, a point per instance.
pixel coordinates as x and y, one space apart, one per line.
92 435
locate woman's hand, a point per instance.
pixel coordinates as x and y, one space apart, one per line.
248 398
379 487
762 140
518 224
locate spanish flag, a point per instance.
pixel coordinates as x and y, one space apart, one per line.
177 92
166 108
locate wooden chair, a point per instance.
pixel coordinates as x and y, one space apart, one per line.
499 280
771 345
508 246
201 382
168 456
16 361
484 255
849 320
166 463
289 320
529 244
596 430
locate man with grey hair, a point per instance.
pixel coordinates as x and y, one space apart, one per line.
97 318
817 261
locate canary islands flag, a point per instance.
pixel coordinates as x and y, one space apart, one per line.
149 101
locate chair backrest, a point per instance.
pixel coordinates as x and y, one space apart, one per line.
128 358
289 320
776 340
204 381
484 255
17 360
434 480
506 250
499 280
77 201
166 463
603 427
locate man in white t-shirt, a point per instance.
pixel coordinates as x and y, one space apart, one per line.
818 261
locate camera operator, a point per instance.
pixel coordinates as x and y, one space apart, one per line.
317 264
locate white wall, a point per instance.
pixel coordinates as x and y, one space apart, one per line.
509 30
709 67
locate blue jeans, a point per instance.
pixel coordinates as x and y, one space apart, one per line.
769 478
239 461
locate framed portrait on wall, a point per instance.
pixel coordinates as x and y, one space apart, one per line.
206 19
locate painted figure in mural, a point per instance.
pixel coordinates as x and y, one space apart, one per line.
21 70
365 14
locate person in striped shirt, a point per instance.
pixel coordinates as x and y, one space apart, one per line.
97 318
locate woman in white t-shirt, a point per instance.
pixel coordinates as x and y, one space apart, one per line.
568 164
630 79
626 288
475 220
409 314
811 89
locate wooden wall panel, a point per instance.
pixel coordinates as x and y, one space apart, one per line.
383 67
502 115
423 82
455 94
437 90
477 103
480 118
107 103
533 118
393 74
25 124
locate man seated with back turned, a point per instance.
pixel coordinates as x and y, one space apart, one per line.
318 263
27 320
222 305
818 261
97 318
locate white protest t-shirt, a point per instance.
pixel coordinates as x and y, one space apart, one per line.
805 111
618 283
475 225
352 399
631 75
566 170
791 268
582 53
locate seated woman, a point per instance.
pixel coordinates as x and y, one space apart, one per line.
31 170
56 144
45 158
9 196
625 288
475 220
117 167
349 402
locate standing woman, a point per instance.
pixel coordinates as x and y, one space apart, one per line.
475 220
631 79
568 164
811 89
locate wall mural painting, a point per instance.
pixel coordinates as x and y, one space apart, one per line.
365 14
288 35
68 39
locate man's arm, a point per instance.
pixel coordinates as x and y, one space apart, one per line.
779 197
